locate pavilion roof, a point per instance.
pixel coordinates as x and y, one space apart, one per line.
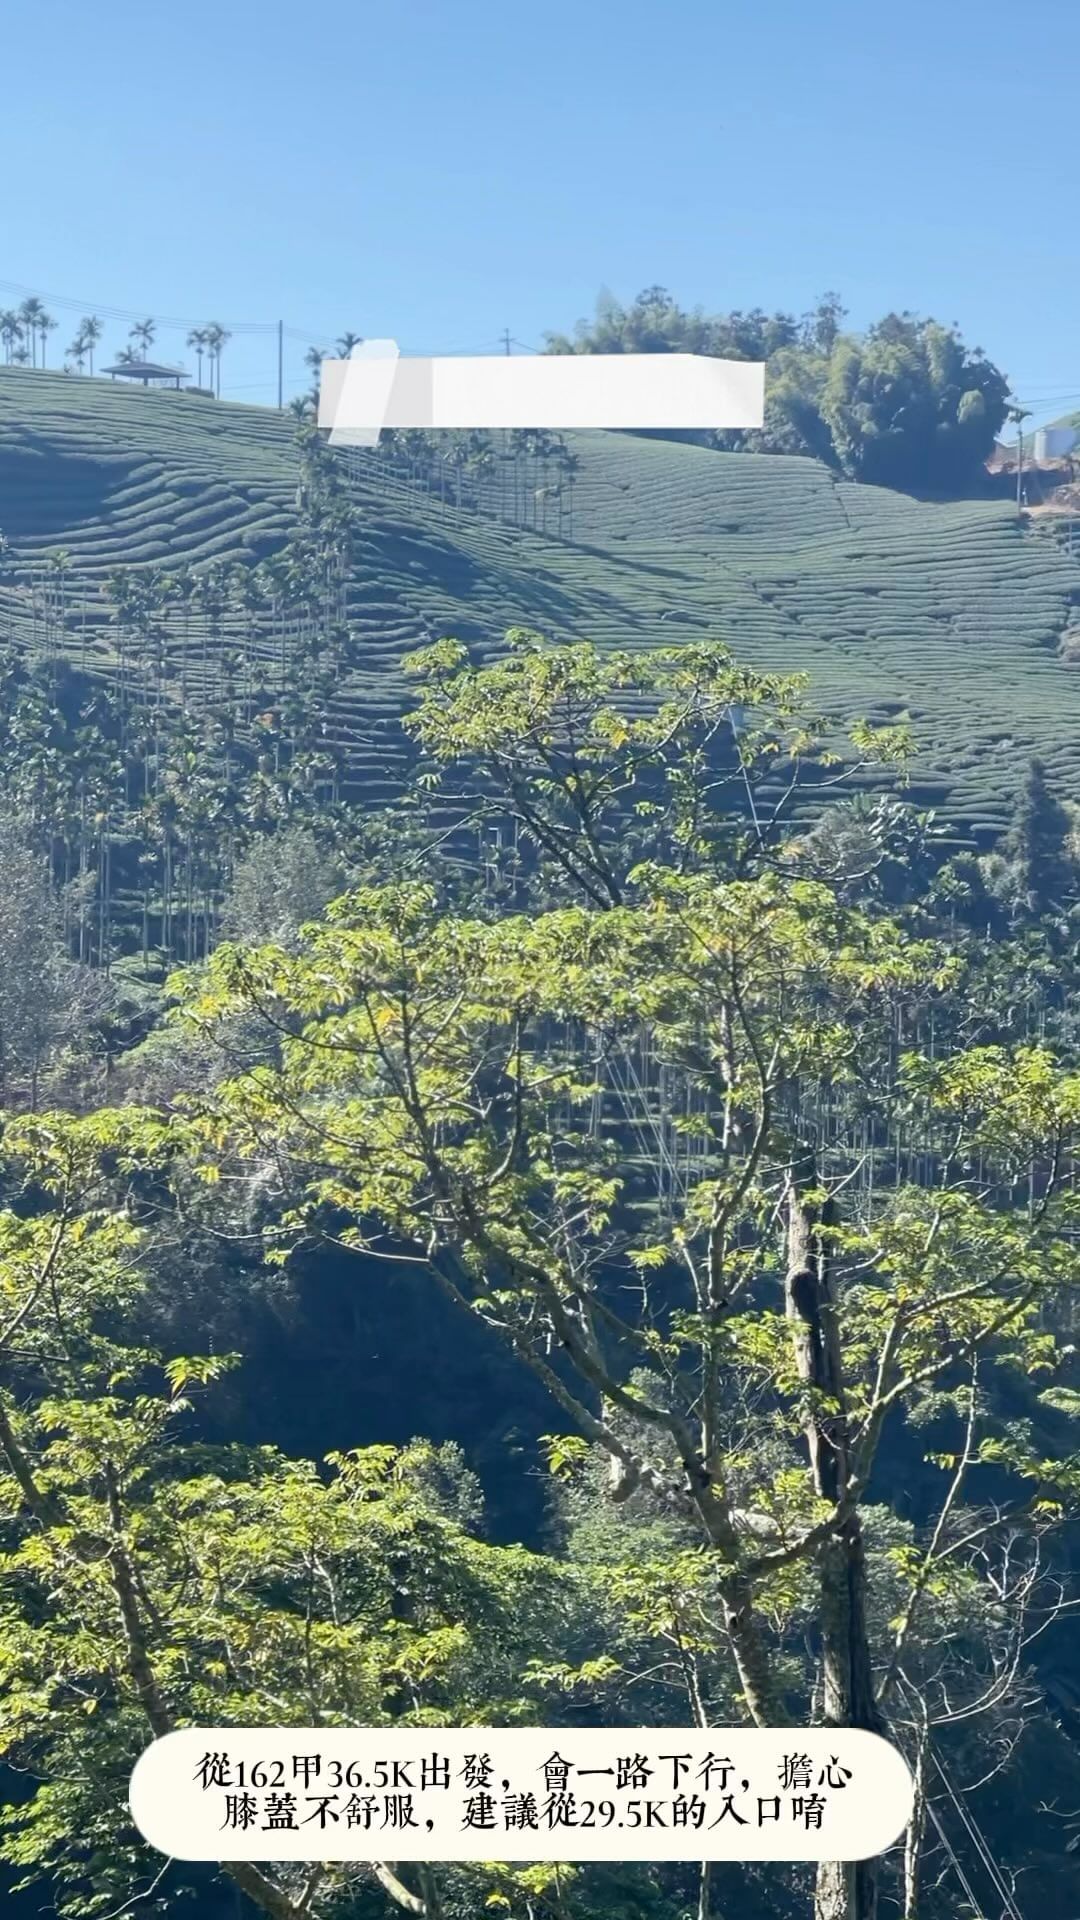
146 370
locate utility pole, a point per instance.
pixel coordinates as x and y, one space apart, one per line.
504 444
280 364
1018 415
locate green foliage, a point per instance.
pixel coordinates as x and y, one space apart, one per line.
52 1010
148 1580
910 406
654 323
283 879
1040 875
453 1082
590 762
602 1096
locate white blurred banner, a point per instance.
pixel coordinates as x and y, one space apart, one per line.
376 388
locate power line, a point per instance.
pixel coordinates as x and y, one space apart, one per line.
263 328
975 1834
126 313
105 311
979 1842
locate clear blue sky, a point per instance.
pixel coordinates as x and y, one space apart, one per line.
436 172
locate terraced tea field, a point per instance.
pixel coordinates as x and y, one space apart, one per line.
953 613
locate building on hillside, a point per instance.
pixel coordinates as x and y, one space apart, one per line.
148 371
1042 471
1054 443
1046 447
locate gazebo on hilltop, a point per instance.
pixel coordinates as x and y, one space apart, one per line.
148 371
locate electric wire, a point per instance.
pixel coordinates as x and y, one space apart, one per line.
975 1834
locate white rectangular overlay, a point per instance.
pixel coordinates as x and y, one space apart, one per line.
376 389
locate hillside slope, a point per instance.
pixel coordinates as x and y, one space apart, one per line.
951 612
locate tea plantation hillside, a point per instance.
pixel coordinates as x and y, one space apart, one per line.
954 613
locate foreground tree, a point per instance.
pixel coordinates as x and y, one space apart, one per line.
622 1111
148 1581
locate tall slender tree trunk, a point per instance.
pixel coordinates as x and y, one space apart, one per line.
845 1890
916 1826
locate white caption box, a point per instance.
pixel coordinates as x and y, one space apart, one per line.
523 1793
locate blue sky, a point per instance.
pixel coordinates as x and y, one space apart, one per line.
437 172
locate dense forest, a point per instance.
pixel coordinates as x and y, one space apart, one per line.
591 1239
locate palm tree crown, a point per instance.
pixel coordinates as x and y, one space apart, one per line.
197 341
216 337
142 335
90 332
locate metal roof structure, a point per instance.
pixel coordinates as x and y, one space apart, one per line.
148 371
